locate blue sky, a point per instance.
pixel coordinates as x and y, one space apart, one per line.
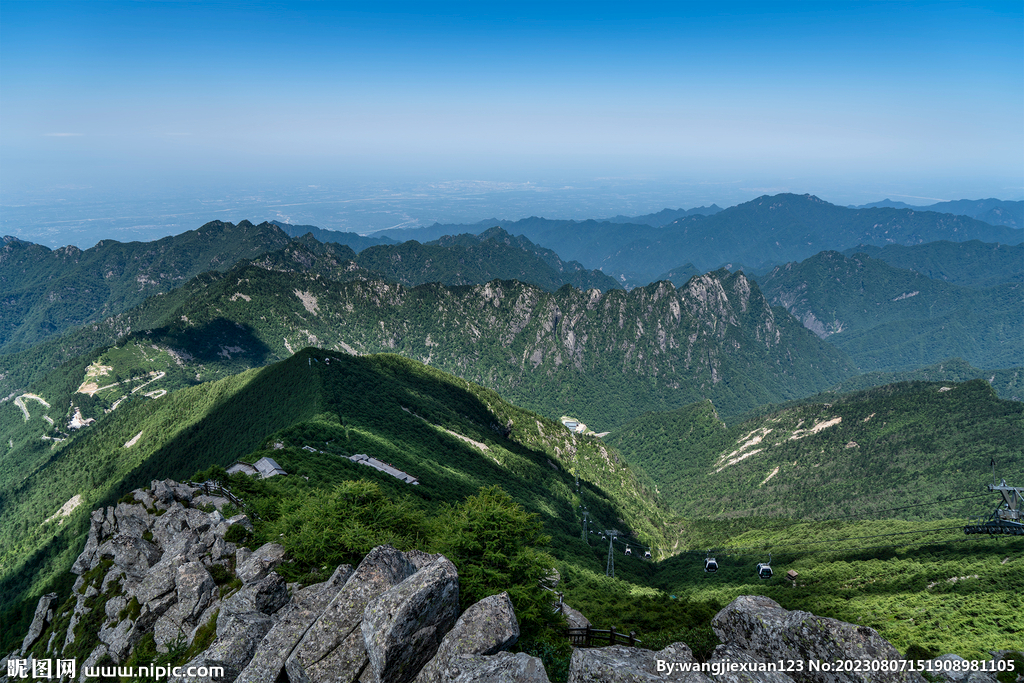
925 96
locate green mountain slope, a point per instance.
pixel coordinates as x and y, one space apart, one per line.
968 264
46 292
468 259
892 319
882 448
453 436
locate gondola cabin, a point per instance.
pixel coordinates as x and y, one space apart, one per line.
764 570
710 565
629 551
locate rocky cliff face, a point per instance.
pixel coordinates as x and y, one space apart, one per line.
160 584
653 348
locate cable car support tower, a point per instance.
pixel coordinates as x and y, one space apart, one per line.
1005 519
611 534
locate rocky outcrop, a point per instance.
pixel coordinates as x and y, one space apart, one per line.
40 620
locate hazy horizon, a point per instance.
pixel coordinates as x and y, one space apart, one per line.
133 120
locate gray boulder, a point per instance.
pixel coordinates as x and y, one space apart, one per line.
144 498
574 618
240 519
503 667
195 588
951 676
332 649
238 636
293 620
134 555
486 628
94 657
769 633
162 493
420 559
158 581
267 595
751 672
120 639
40 620
262 561
132 520
181 492
85 560
403 628
624 664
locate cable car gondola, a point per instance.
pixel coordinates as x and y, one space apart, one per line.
629 551
647 554
764 569
710 564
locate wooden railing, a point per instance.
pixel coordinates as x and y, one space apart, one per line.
213 487
592 637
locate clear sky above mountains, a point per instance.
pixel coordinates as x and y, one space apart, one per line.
923 100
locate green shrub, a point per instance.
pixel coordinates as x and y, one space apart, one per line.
498 546
131 610
325 530
236 534
1018 669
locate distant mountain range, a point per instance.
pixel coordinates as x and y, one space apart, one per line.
350 239
48 291
993 211
665 216
473 259
759 234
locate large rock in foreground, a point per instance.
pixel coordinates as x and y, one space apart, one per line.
624 664
760 627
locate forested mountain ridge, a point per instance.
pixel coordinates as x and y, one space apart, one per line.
857 453
470 259
453 436
890 319
48 291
